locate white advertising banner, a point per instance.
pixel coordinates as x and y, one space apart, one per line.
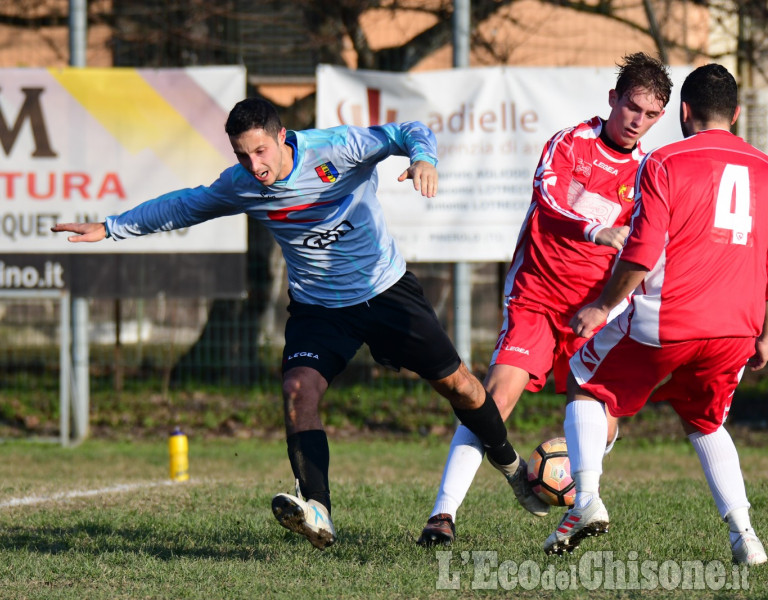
491 124
82 144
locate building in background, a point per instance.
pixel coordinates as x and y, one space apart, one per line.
281 42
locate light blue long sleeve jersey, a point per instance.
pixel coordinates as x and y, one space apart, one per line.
325 215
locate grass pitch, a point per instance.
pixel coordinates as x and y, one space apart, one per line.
102 521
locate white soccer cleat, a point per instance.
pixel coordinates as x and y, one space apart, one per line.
305 517
748 550
577 524
517 477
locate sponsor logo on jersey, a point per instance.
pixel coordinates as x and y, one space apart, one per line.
303 354
583 168
625 193
517 349
327 172
608 168
323 239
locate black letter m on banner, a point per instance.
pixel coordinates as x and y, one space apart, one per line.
31 110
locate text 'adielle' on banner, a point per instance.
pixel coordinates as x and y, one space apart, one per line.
491 124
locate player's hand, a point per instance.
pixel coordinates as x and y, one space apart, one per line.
612 236
86 232
589 318
760 357
424 177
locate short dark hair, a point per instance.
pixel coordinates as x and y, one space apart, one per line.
711 93
253 113
642 70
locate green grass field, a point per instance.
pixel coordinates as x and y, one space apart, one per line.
68 531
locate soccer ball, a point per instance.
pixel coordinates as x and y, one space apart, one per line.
549 472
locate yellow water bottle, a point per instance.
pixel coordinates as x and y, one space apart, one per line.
178 448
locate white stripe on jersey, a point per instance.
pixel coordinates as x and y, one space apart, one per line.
647 304
544 182
589 357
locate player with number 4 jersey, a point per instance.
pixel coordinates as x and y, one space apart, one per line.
702 232
697 259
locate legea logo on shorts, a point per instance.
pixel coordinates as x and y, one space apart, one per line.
307 354
517 349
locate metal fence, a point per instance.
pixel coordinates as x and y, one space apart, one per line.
164 345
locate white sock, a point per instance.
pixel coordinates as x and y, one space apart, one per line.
720 461
586 428
464 459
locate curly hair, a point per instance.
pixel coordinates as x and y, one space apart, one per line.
642 70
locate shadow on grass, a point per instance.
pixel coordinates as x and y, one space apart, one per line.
100 539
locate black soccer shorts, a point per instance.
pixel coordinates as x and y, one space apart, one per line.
399 326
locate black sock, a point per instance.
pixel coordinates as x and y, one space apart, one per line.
310 457
486 423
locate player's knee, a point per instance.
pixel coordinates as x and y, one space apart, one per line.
291 387
462 388
301 385
467 386
302 392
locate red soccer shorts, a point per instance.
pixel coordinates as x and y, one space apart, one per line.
536 340
703 374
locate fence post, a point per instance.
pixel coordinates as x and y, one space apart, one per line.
78 23
462 281
65 368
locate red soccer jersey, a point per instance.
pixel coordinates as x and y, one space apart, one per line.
581 185
701 228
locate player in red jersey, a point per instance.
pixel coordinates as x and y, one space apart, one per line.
697 258
583 196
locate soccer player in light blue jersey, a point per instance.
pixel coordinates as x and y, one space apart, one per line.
315 190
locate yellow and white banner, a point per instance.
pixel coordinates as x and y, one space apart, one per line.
491 124
82 144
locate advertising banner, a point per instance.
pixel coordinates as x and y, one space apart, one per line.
491 124
79 144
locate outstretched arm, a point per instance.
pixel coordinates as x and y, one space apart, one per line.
86 232
371 145
174 210
424 177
